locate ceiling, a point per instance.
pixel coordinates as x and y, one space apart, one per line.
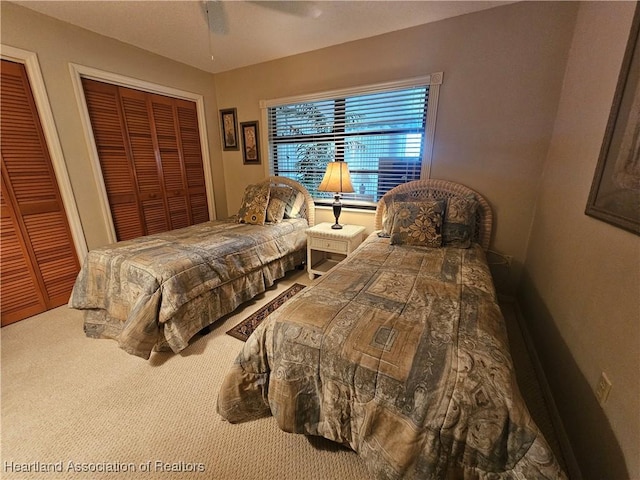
240 33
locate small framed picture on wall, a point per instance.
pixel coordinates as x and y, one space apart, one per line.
229 126
250 142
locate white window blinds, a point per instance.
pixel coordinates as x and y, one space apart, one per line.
384 133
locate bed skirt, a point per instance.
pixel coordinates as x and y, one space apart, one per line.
197 314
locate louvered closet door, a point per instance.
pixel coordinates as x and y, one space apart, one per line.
146 165
38 263
103 104
189 139
149 149
171 163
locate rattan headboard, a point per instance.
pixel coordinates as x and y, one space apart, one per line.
308 210
425 189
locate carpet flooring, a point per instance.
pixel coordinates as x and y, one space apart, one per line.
84 409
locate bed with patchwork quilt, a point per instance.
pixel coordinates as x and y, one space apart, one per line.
156 292
400 352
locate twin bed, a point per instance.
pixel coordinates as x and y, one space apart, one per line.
156 292
400 352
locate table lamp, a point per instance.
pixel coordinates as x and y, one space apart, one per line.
336 179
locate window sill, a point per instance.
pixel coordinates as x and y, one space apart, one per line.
356 209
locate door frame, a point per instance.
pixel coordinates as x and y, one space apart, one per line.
30 61
81 71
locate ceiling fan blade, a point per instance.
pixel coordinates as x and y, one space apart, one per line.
298 8
218 22
215 16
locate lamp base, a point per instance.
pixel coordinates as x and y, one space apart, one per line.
337 208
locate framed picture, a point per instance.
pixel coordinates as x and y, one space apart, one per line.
615 191
229 126
250 143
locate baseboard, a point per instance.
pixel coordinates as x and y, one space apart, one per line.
573 472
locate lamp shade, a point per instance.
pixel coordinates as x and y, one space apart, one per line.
336 178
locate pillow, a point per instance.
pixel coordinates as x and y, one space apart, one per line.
296 206
279 199
254 205
459 225
275 210
418 223
387 218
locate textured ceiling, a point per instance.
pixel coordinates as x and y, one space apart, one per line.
239 33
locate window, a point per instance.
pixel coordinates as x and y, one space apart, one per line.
384 133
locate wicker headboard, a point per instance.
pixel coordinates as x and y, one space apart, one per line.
308 209
435 189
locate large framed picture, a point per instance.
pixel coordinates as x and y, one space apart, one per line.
615 191
250 143
229 127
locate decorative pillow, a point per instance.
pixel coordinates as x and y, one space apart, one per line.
279 199
387 218
275 210
254 204
418 223
296 206
459 221
389 212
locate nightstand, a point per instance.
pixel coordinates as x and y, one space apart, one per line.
326 247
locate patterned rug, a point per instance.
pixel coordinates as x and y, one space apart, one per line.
249 324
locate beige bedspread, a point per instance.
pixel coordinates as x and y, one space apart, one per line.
160 290
401 353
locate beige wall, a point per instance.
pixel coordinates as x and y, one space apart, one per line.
502 76
581 288
57 44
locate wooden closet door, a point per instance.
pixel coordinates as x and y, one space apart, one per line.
146 164
189 138
150 155
39 264
171 161
107 121
21 287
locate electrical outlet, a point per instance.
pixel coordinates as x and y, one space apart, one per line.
603 388
508 259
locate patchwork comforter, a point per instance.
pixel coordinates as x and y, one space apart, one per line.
400 353
156 292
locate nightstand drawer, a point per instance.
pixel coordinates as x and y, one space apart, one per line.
337 246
